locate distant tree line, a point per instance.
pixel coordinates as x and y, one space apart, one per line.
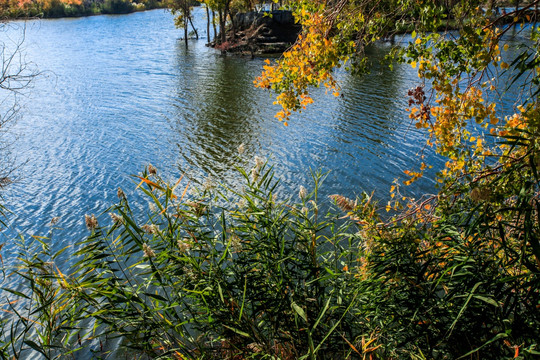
67 8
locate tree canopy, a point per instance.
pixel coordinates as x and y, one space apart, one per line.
487 209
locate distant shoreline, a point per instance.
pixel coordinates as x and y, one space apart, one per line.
70 13
24 18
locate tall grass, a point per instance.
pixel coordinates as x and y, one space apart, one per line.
220 273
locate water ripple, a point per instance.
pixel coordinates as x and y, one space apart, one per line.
123 91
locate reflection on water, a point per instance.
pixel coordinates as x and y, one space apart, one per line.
123 91
215 110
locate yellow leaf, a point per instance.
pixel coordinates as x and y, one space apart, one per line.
62 277
413 64
506 47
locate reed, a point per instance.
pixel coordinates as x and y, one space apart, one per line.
239 274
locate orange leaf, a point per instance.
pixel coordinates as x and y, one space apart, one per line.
178 182
351 345
185 191
149 182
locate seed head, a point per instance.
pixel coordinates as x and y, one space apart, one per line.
183 245
241 148
302 193
147 250
197 208
241 203
150 229
209 184
91 222
259 162
117 219
189 273
120 194
5 181
254 174
343 202
152 170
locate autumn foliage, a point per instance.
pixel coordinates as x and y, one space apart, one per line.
241 273
64 8
486 212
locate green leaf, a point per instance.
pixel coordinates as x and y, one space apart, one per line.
497 337
299 311
156 296
35 346
487 300
464 307
239 332
16 293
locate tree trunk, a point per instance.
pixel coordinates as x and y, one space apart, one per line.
214 25
225 13
233 26
222 26
207 25
193 27
186 32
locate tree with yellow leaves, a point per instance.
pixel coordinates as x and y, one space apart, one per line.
470 255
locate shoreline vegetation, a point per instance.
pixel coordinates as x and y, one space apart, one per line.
52 9
239 273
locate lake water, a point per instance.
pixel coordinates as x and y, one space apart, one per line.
120 92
